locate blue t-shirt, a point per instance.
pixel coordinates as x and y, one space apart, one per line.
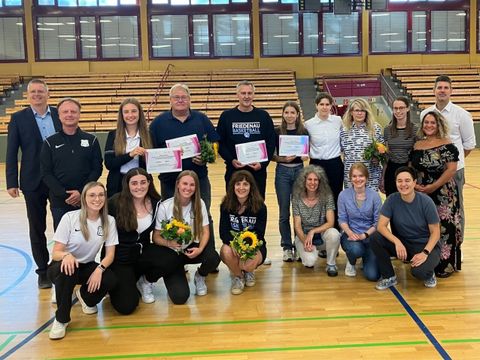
411 220
166 127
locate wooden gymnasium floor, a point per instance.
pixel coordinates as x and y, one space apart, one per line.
292 312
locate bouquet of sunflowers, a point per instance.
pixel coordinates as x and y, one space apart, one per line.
245 243
376 150
176 230
208 150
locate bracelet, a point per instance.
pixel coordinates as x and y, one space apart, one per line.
366 235
426 252
101 267
65 255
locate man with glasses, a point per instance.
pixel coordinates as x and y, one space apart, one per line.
181 121
69 160
27 130
461 132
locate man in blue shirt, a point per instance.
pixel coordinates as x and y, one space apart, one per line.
27 130
180 121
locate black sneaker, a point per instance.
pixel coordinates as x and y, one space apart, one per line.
44 282
332 270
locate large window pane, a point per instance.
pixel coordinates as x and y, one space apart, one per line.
419 31
280 34
88 39
170 35
310 33
448 30
200 36
56 38
119 36
389 32
231 35
11 39
340 34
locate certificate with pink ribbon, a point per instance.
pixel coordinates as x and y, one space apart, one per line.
252 152
189 144
163 160
290 145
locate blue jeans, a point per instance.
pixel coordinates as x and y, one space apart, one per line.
284 178
361 249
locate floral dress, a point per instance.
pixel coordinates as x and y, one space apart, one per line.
353 143
431 163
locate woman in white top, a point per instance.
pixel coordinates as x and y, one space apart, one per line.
187 206
78 238
324 130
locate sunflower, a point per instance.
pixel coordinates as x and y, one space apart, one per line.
249 239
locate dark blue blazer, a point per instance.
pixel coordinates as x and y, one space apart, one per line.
24 134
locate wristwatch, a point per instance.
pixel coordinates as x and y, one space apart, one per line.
103 268
366 235
426 252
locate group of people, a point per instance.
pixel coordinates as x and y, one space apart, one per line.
334 199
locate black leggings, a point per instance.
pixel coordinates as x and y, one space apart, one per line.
124 297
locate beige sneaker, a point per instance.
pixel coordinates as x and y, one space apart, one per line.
58 330
238 284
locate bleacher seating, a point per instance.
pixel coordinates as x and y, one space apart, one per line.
212 92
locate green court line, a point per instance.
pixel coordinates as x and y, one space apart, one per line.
460 341
20 332
240 322
254 350
461 312
6 342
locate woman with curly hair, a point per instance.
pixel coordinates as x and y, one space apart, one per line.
125 146
242 207
435 158
358 132
313 218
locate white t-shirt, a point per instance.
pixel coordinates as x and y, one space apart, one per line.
68 232
324 137
165 212
132 143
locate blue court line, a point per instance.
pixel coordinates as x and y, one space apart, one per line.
26 270
443 353
27 339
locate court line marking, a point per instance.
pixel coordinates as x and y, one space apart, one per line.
6 342
253 350
26 270
442 352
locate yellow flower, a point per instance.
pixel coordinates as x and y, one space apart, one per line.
252 236
215 149
168 226
382 149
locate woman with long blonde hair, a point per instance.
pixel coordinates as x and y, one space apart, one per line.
126 145
358 132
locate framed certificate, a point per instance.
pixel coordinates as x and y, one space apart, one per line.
290 145
163 160
189 144
252 152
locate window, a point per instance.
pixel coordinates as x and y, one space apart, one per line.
81 3
119 37
419 31
389 32
448 30
310 33
280 34
170 36
231 35
340 34
10 3
12 45
56 38
196 2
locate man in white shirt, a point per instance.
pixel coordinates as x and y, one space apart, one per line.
461 130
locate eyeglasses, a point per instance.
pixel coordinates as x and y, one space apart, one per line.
180 98
95 196
400 108
358 111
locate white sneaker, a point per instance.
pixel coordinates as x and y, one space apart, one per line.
146 290
267 261
350 270
89 310
58 330
238 284
250 279
287 255
200 286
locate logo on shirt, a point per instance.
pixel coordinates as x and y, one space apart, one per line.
246 128
84 143
58 146
99 229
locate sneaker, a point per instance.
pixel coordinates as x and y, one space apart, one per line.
287 255
332 270
200 286
384 284
89 310
296 256
249 279
322 254
237 285
350 270
43 282
58 330
146 290
267 261
431 283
